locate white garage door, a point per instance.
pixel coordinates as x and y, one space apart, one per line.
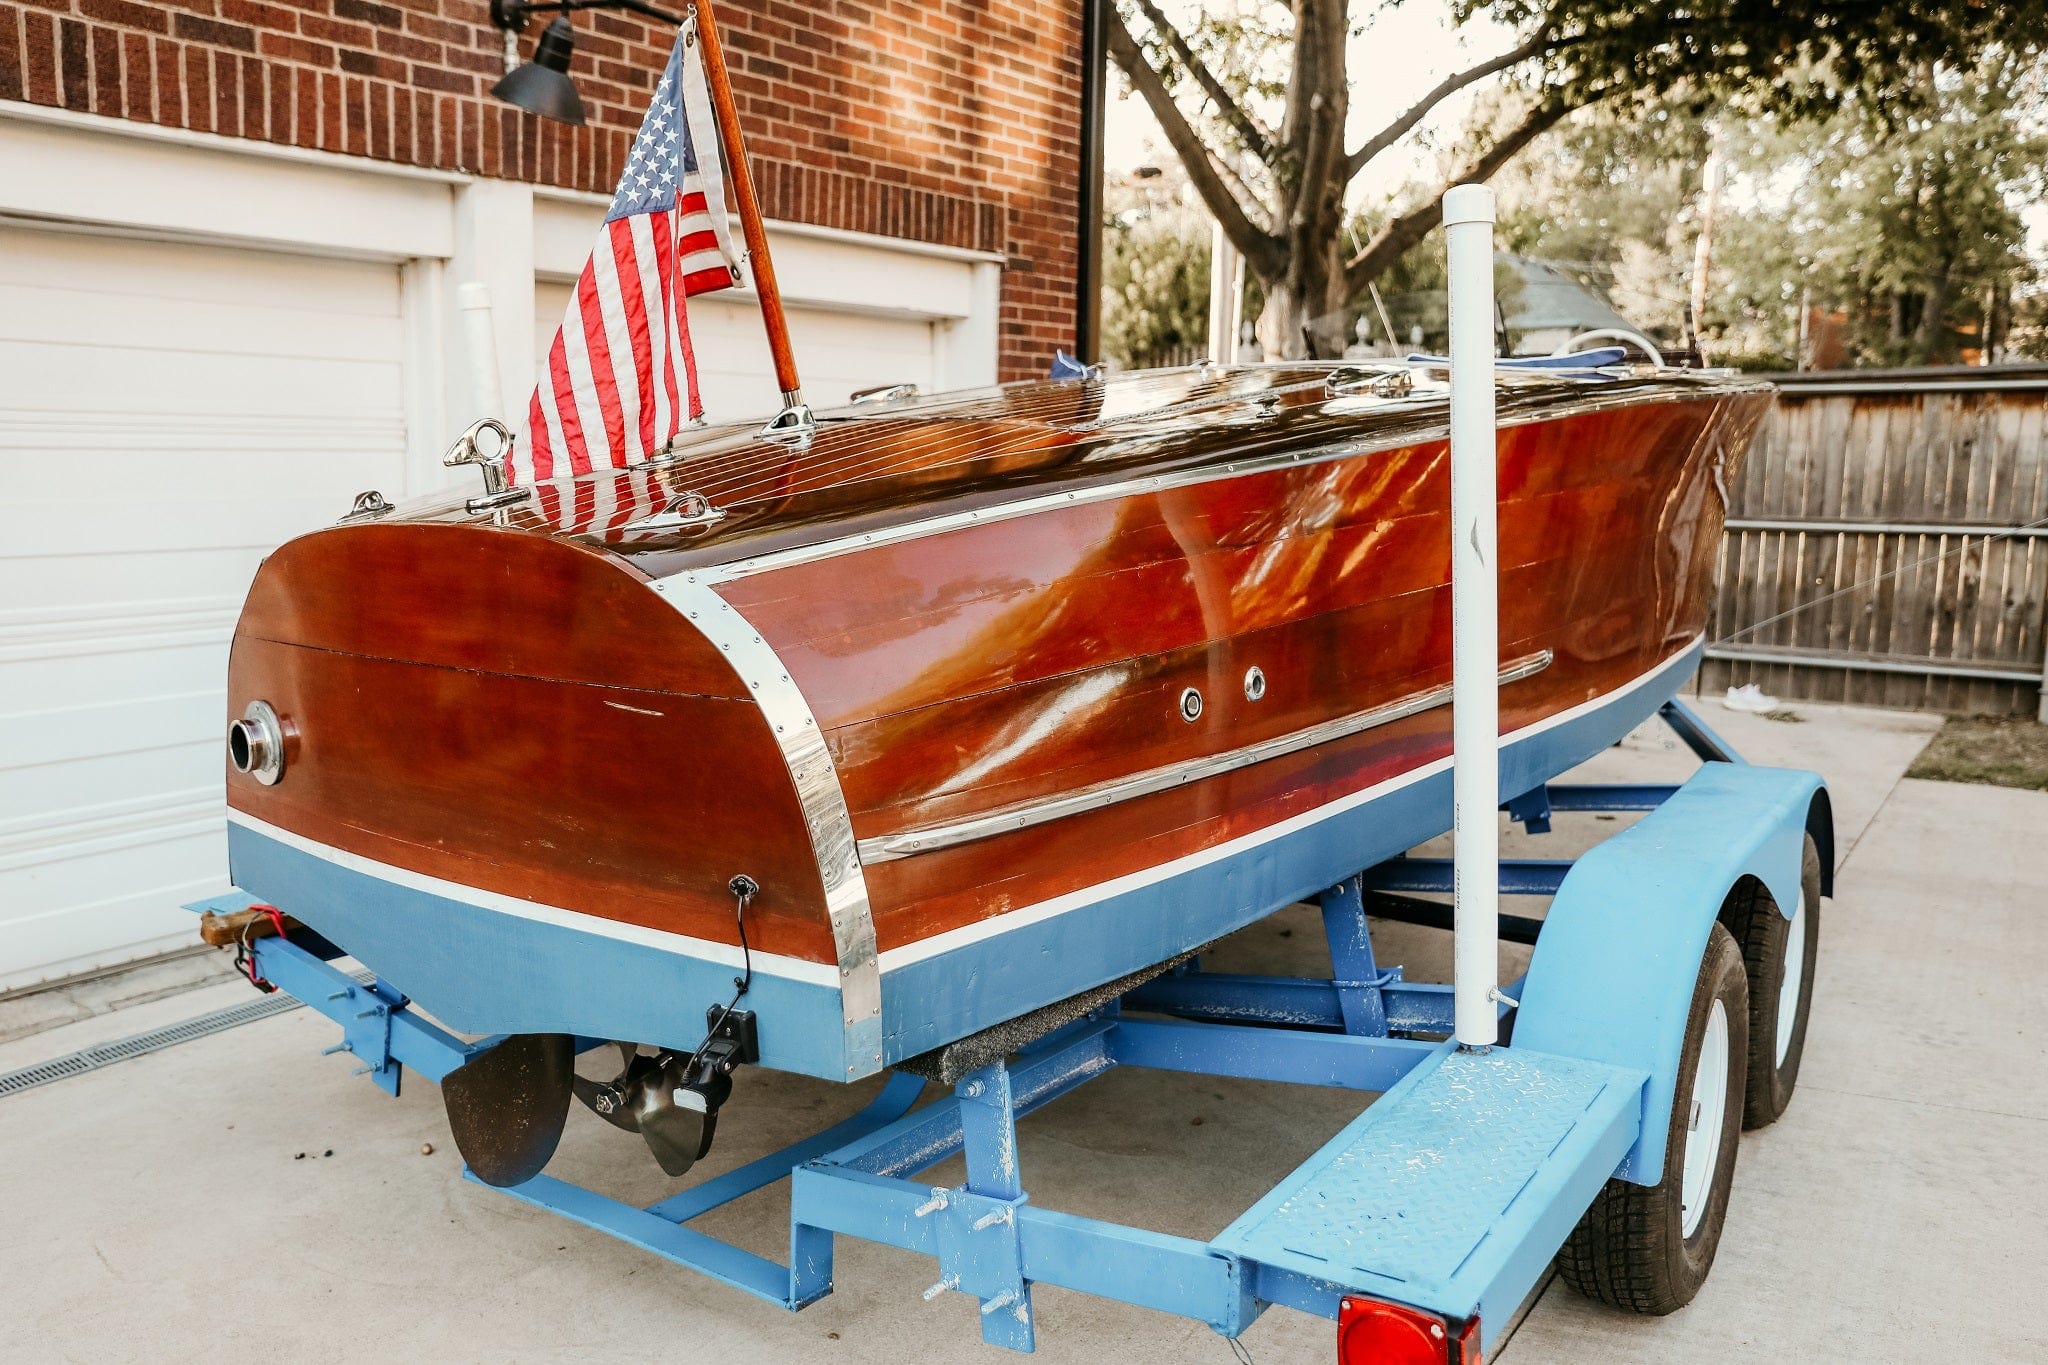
836 352
168 413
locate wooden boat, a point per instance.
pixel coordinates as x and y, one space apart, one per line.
996 697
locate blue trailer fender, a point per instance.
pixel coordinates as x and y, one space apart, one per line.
1612 976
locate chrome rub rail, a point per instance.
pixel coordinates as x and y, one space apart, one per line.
1023 815
824 808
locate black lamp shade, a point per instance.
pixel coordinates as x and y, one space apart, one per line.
542 86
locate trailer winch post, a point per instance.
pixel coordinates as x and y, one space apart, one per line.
1475 619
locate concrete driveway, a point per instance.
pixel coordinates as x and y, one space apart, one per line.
162 1208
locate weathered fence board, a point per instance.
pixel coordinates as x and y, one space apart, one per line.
1888 543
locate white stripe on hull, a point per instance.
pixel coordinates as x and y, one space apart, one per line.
826 974
773 964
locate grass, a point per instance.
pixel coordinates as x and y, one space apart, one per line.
1996 751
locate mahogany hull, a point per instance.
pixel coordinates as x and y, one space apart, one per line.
529 726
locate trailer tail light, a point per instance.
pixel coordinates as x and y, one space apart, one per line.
1370 1332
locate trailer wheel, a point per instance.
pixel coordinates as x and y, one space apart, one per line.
1780 955
1648 1249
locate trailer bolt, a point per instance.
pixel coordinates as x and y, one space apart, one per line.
989 1220
999 1302
931 1205
950 1282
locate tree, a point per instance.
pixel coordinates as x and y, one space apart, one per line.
1155 268
1921 226
1265 143
1906 226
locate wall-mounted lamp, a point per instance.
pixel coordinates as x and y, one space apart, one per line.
542 86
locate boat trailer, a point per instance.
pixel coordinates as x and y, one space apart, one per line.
1605 1088
1449 1195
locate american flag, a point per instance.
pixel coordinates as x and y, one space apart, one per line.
621 378
602 506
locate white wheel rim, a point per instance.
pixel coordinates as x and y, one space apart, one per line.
1795 976
1708 1106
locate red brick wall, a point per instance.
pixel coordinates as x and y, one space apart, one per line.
949 121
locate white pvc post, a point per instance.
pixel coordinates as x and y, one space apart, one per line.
1475 620
1226 273
474 300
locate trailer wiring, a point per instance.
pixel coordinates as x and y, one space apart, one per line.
744 889
245 957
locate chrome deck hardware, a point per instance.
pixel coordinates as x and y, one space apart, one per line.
795 423
1380 383
683 510
466 450
883 393
369 503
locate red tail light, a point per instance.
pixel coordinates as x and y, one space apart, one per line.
1370 1332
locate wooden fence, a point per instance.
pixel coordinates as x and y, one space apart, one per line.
1888 544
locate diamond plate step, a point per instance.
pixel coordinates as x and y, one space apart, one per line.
1478 1148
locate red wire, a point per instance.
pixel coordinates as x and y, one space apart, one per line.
249 953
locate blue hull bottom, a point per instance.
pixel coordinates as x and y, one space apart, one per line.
487 964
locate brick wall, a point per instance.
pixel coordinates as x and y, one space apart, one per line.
947 121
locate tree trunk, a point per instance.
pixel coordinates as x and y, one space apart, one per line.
1927 335
1303 318
1307 288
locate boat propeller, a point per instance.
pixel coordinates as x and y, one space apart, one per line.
507 1105
670 1099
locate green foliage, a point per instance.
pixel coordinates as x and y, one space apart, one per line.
1254 102
1155 279
1798 57
1916 220
1903 222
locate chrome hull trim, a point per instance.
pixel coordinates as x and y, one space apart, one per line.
824 805
1668 675
1426 426
1025 814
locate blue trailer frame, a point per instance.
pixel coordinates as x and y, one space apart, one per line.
1449 1193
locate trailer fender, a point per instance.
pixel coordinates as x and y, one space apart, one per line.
1612 976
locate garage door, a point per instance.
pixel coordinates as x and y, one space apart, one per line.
168 413
836 352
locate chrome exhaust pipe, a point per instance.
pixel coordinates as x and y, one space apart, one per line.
256 744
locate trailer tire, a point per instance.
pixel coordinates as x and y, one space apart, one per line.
1632 1249
1776 1042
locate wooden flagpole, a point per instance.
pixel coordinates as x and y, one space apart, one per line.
794 414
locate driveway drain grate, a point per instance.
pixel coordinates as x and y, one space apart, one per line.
121 1049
